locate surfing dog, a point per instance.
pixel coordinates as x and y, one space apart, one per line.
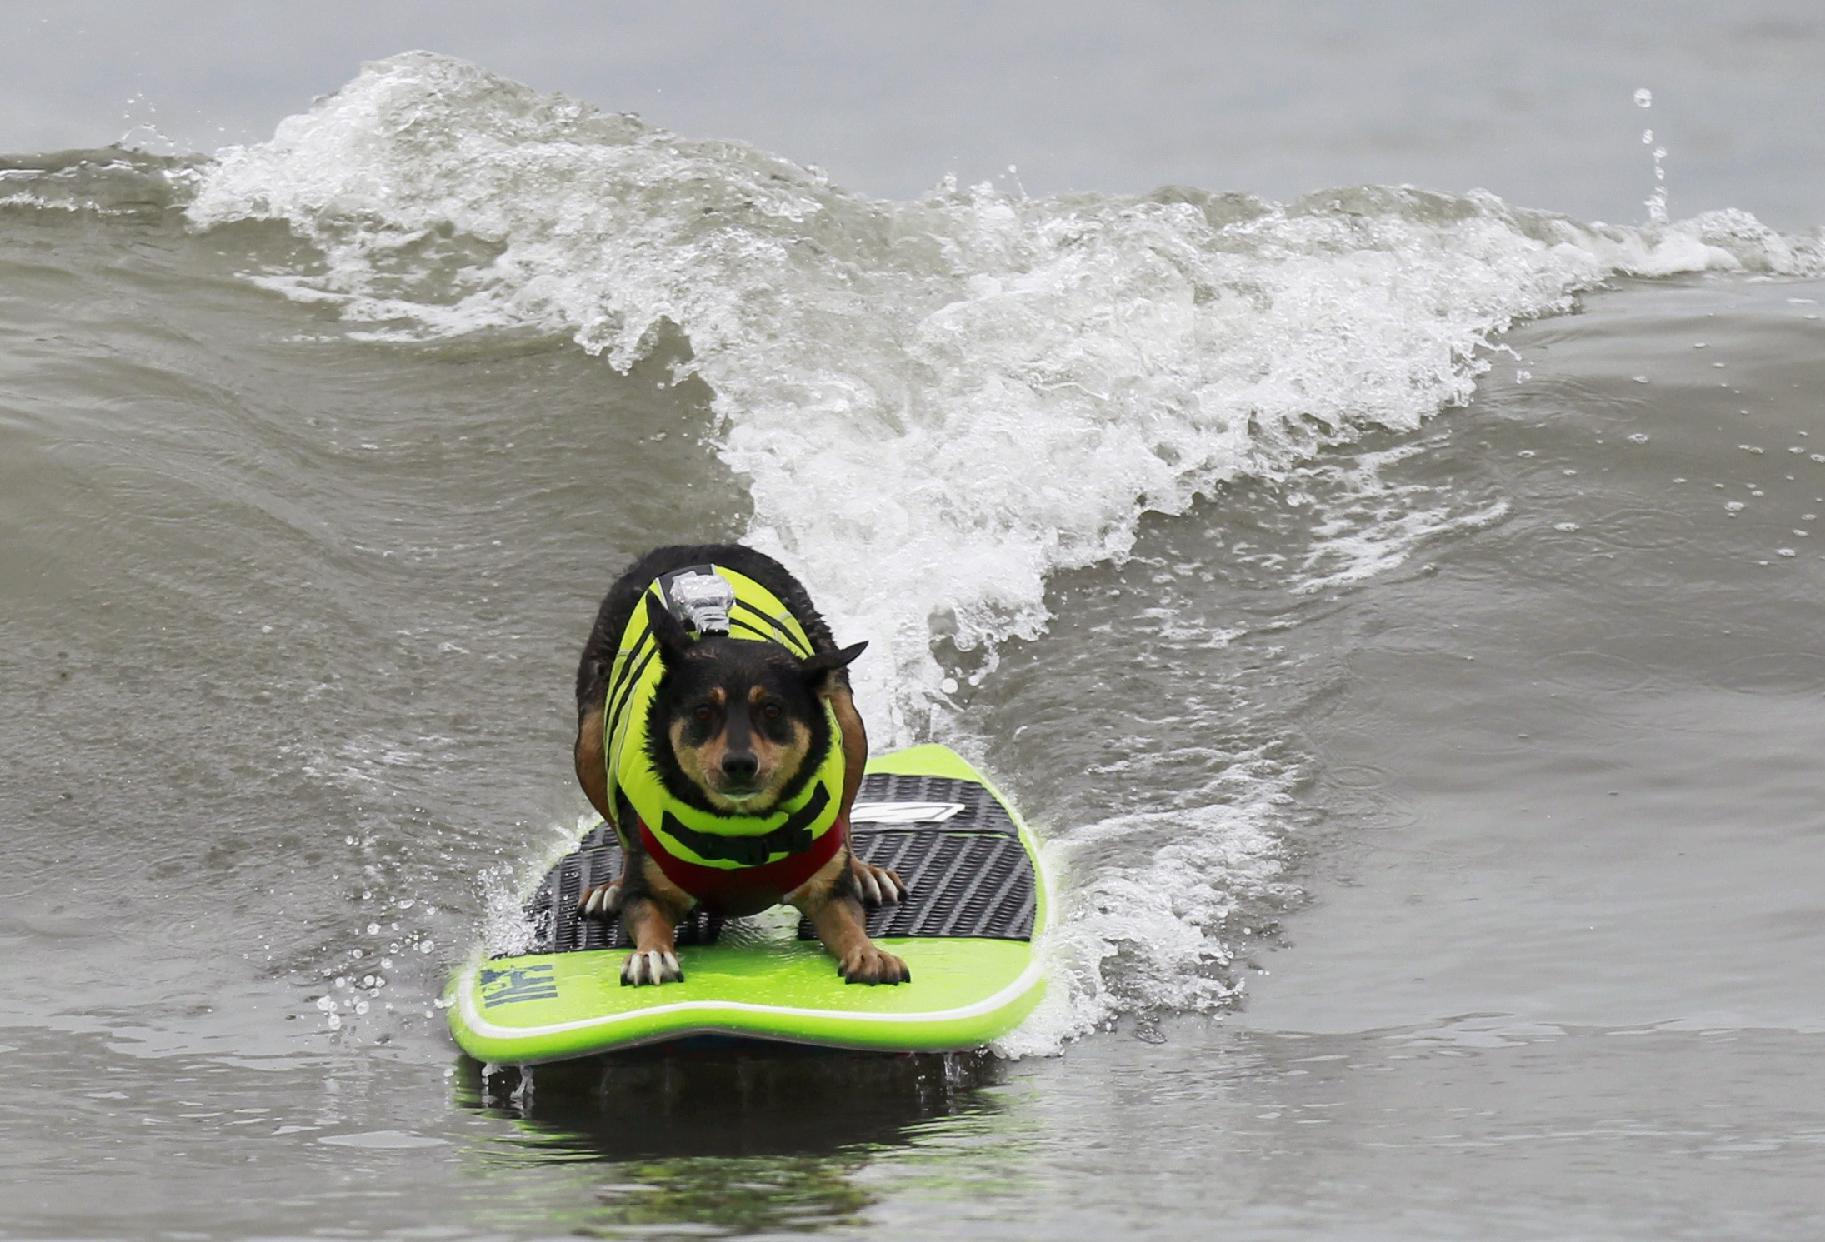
717 733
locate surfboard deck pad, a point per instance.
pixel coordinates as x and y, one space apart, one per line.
965 870
974 906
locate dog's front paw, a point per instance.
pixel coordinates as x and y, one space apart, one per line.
869 964
878 885
652 966
600 902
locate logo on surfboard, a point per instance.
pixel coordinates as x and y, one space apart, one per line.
518 983
904 812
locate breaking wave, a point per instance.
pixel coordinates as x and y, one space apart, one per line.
978 389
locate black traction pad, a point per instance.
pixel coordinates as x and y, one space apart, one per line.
966 872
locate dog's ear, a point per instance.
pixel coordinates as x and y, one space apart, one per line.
818 668
668 631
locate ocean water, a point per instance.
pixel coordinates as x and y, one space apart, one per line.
1397 609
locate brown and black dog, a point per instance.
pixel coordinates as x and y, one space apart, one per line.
735 727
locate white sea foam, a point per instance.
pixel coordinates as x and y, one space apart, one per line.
1365 525
1154 938
937 404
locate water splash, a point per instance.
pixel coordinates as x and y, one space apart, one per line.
1656 203
1140 942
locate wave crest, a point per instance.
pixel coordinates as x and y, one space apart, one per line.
936 403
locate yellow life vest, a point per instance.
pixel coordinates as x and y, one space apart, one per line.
703 838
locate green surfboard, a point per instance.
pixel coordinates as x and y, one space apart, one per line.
968 930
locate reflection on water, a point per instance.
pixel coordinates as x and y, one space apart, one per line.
712 1136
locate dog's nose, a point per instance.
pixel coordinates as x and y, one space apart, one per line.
740 765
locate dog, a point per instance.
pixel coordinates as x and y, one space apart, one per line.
717 733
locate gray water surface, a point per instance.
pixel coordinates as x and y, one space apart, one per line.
1433 800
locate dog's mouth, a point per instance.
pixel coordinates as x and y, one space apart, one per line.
739 794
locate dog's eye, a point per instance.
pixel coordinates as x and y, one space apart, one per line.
703 713
771 711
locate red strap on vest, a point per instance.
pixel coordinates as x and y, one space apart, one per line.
713 885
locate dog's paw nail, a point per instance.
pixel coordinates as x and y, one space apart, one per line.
653 966
600 901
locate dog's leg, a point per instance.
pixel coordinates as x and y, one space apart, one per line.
602 900
875 886
829 900
650 915
592 766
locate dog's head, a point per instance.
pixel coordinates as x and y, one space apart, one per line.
737 727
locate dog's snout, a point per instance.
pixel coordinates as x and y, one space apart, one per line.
740 765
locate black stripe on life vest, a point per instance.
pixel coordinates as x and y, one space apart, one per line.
625 690
736 623
784 635
792 837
